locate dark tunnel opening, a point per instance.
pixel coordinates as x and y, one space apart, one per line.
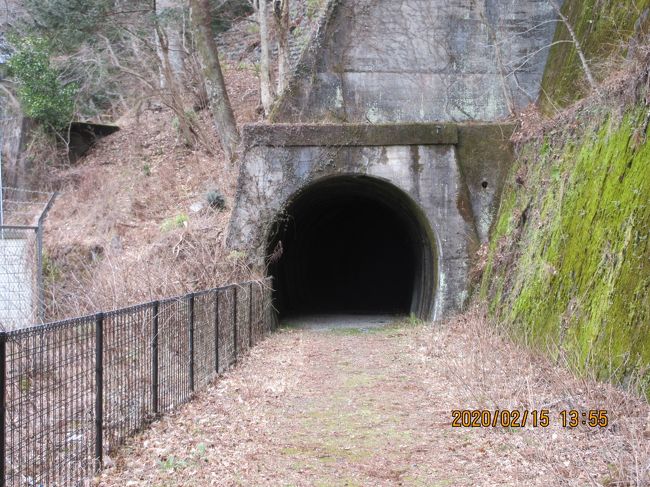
352 244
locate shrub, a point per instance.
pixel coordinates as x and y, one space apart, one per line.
69 23
216 200
42 95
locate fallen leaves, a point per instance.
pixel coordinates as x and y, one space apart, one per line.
308 407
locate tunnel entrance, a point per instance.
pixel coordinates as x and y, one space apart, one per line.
352 244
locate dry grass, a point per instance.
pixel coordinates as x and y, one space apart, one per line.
496 373
351 407
104 240
123 230
626 82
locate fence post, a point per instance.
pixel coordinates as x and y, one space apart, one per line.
39 244
191 304
267 304
154 359
250 315
39 272
99 386
269 323
234 324
3 407
216 331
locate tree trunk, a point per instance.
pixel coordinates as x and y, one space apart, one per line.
224 119
265 73
281 11
171 88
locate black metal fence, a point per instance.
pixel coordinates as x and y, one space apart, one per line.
74 390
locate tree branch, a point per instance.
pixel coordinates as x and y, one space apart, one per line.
576 44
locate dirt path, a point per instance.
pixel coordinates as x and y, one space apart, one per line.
373 407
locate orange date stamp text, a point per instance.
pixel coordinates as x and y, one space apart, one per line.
536 418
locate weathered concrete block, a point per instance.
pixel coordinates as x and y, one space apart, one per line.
331 135
428 175
369 120
422 60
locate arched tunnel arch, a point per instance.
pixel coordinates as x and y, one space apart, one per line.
352 244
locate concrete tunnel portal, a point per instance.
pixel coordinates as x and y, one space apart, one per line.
352 245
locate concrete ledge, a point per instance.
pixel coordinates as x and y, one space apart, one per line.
328 135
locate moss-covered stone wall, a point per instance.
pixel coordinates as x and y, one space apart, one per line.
604 29
568 267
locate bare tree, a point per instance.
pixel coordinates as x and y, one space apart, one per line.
281 14
224 119
266 90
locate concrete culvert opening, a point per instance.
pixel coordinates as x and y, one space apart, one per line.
352 245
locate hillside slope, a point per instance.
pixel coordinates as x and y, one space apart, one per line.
568 266
133 221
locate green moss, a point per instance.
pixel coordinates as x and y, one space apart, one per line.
575 278
603 28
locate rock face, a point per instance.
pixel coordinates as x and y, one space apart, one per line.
423 60
372 69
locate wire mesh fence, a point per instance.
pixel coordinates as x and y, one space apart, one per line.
21 256
74 390
23 206
19 276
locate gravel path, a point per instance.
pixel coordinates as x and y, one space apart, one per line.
372 406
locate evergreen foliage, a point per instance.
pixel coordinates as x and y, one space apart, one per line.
69 23
42 94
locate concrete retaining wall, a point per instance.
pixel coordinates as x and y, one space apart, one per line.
422 60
